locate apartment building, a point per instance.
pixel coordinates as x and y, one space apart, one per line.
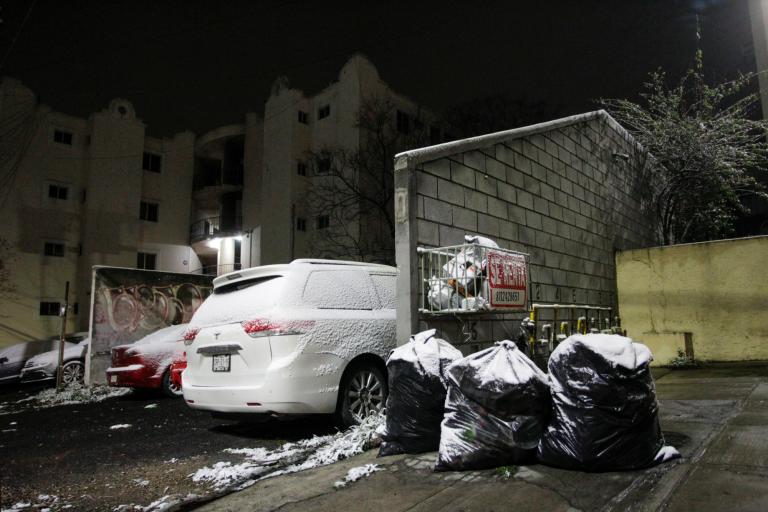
77 192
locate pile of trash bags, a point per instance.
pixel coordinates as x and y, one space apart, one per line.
417 388
596 410
460 284
604 411
495 412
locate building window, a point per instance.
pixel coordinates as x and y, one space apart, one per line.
323 222
323 166
303 117
54 249
151 162
149 211
57 192
62 137
301 169
403 122
146 261
50 308
301 224
324 112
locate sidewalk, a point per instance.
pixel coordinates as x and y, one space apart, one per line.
715 416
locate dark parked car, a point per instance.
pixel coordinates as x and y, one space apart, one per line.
43 366
13 358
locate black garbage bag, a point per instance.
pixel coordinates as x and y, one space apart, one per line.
417 388
604 411
496 409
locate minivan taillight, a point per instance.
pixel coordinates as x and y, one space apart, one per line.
190 335
263 327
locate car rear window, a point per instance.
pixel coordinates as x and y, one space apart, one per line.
240 301
339 289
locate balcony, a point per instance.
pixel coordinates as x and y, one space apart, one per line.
215 227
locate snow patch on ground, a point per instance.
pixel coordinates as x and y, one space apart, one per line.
45 502
119 426
141 482
71 395
310 453
355 474
151 406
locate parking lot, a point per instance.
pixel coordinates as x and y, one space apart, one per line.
71 452
69 457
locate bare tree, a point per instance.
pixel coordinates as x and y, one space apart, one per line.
706 148
351 191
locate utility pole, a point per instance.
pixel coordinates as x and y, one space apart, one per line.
63 315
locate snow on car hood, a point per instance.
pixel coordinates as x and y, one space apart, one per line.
158 347
71 351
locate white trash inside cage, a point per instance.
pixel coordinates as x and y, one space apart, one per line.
473 277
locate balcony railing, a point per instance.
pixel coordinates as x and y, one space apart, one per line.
215 227
218 178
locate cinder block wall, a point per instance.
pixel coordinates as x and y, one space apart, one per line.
715 291
562 191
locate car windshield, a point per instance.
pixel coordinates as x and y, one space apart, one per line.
239 301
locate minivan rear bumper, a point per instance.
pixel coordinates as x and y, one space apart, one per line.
255 400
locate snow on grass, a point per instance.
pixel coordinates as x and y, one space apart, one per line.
355 474
120 425
71 395
310 453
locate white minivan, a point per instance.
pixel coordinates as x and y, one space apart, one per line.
309 337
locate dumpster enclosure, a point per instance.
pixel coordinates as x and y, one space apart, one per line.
562 193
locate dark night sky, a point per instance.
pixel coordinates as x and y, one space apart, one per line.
197 65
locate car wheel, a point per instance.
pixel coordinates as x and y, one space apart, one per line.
167 386
363 392
72 372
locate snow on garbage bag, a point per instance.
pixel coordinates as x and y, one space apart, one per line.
496 409
604 411
417 389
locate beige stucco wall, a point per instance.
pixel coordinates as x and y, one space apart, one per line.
718 291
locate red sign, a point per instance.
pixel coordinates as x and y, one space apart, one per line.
508 280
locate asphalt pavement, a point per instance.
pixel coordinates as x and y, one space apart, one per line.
71 452
716 416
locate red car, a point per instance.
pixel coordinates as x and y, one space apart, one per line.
178 365
146 363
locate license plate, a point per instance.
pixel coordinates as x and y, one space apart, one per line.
221 362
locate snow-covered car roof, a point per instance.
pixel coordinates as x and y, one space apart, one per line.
165 335
71 350
269 270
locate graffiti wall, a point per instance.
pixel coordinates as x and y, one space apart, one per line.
128 304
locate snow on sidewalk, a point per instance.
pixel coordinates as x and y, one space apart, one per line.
306 454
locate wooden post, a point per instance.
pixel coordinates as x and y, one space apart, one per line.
63 315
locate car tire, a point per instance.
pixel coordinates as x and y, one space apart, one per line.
168 388
363 391
72 372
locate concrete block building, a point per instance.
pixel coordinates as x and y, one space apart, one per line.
561 191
